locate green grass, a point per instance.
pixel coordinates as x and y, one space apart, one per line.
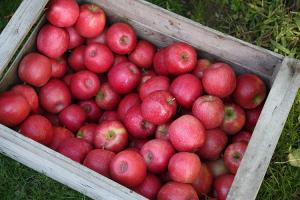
272 24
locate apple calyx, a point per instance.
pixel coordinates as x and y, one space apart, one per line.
123 166
80 134
236 156
229 113
184 56
124 40
149 157
257 100
145 124
110 135
87 108
100 95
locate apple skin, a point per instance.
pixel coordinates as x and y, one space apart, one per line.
107 98
121 38
222 185
84 85
186 133
202 65
72 117
93 112
177 191
180 58
137 143
91 20
153 84
59 135
124 77
158 107
159 64
215 142
35 69
135 123
76 58
143 54
119 59
128 168
55 96
186 89
162 132
219 80
87 132
204 181
233 156
99 161
217 167
98 58
157 153
75 149
184 167
53 41
53 118
252 118
242 136
75 39
126 103
101 38
109 116
38 128
149 187
146 75
209 110
111 135
58 67
62 13
234 118
29 94
250 91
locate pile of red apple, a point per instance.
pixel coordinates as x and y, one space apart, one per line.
157 121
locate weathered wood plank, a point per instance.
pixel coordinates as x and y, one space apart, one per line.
267 132
17 28
61 168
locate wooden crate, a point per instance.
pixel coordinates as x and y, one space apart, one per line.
162 28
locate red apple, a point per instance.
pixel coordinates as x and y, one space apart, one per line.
75 39
119 59
186 89
76 58
111 135
59 135
75 149
137 143
180 58
52 41
202 65
55 96
87 132
159 64
162 132
209 110
149 187
146 75
177 191
84 85
14 108
101 38
72 117
222 185
158 107
217 167
29 94
155 83
93 112
157 153
109 116
234 118
204 181
91 20
215 142
107 98
124 77
219 80
137 126
143 54
37 128
59 67
121 38
62 13
250 91
98 58
186 133
242 136
126 103
99 161
35 69
53 118
128 168
252 118
233 156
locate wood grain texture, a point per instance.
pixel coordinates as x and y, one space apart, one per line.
17 28
267 132
61 168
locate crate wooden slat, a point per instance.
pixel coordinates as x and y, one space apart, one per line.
160 27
